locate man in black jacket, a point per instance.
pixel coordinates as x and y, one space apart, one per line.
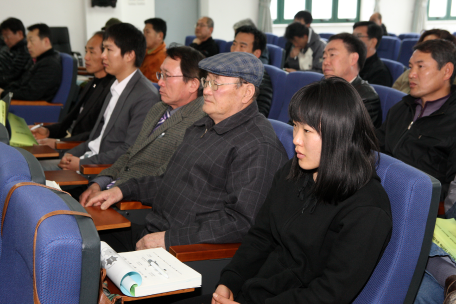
204 41
420 129
251 40
374 71
344 57
14 58
80 121
42 79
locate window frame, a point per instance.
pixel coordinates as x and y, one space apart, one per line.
447 15
308 6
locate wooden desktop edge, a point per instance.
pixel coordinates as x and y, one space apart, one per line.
66 145
16 102
200 252
131 205
93 168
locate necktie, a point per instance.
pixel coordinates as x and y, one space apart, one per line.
165 116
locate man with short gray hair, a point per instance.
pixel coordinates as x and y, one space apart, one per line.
219 176
203 41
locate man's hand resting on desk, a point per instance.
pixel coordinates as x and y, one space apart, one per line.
40 133
69 162
152 240
106 198
222 295
93 190
48 142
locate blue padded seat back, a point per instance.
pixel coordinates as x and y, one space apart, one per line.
326 35
282 41
67 79
396 68
389 47
410 192
222 45
278 78
406 50
13 169
271 38
227 47
388 98
409 35
293 83
276 55
58 249
189 39
285 134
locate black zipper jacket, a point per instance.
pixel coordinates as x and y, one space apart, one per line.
428 144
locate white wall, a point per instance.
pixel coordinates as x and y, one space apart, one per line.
131 11
226 13
68 13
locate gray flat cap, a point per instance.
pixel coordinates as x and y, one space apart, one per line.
235 64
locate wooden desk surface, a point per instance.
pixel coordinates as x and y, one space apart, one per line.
66 178
43 151
114 289
107 219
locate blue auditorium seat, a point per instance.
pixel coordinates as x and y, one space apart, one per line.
285 134
271 38
326 35
388 98
278 78
409 35
396 68
389 47
414 198
276 55
406 50
281 42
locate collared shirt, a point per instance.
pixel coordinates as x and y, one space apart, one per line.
429 107
116 90
215 182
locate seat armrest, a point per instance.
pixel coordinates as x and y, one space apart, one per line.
66 145
131 205
199 252
16 102
93 168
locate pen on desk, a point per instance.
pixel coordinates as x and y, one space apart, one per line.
36 127
155 265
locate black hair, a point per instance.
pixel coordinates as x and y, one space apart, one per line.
101 35
441 34
210 22
158 24
306 15
336 111
259 39
13 24
441 51
128 38
373 30
296 29
43 30
353 45
189 59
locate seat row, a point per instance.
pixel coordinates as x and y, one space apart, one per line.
285 85
67 254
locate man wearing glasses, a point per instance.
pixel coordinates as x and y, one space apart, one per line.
374 70
219 176
165 124
203 41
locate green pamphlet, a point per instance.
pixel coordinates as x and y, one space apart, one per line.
20 132
3 112
445 235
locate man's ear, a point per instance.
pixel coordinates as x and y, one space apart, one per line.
257 53
448 69
194 85
130 56
249 93
160 34
374 42
354 57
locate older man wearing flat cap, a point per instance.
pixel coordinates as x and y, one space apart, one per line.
219 176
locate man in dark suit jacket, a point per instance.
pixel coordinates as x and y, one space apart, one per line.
81 119
125 107
159 138
344 57
42 80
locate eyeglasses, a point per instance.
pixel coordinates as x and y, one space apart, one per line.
361 36
213 85
164 76
200 25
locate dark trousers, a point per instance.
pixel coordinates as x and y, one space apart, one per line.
122 240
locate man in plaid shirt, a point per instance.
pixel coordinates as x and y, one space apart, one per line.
219 176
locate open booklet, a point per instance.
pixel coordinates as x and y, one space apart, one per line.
146 272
